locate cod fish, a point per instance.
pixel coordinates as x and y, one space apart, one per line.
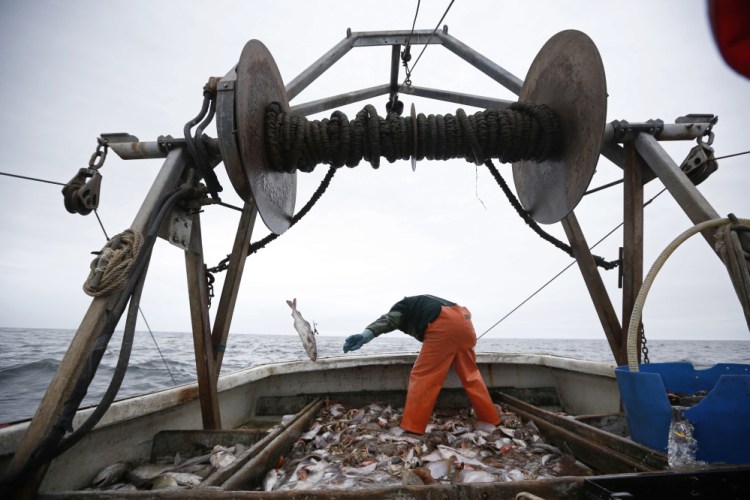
306 332
221 456
111 475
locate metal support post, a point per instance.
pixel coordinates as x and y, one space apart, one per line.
667 131
457 97
225 311
395 57
692 202
486 66
632 258
312 107
397 39
592 278
201 322
318 67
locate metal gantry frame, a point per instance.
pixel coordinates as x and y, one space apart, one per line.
641 156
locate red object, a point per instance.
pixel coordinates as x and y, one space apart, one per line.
730 23
448 341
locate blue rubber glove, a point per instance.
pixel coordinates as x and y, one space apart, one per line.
354 342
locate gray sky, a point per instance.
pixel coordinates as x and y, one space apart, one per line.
74 69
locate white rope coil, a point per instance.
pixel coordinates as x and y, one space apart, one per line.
109 270
635 317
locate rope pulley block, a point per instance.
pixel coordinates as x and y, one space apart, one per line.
243 96
81 193
568 76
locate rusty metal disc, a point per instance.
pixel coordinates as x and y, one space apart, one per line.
567 75
259 83
230 151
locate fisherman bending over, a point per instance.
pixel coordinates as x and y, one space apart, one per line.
448 339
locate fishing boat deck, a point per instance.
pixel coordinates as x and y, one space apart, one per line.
256 398
574 404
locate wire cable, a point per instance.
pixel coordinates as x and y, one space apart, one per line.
413 24
32 178
732 155
96 212
148 327
563 270
409 72
620 181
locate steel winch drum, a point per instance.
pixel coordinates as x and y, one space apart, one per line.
567 75
243 96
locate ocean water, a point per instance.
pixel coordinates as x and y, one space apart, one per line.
30 357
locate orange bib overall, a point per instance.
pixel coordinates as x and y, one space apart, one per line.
448 341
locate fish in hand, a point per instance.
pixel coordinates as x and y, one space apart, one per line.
306 332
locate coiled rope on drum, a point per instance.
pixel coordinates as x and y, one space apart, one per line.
523 131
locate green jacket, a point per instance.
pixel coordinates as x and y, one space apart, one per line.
411 315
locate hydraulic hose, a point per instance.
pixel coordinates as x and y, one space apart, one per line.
55 442
635 317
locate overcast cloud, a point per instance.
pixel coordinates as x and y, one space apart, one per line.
74 69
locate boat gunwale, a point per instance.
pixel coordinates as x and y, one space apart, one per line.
137 406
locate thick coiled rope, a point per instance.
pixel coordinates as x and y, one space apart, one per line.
109 270
523 131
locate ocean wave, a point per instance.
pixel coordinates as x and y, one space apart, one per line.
31 369
22 384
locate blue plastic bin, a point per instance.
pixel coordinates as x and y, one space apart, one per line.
721 421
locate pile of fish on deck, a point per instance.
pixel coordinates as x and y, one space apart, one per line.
365 448
362 448
175 473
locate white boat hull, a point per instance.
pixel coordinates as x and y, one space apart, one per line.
258 394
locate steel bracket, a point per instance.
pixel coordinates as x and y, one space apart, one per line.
698 118
625 131
178 228
166 142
